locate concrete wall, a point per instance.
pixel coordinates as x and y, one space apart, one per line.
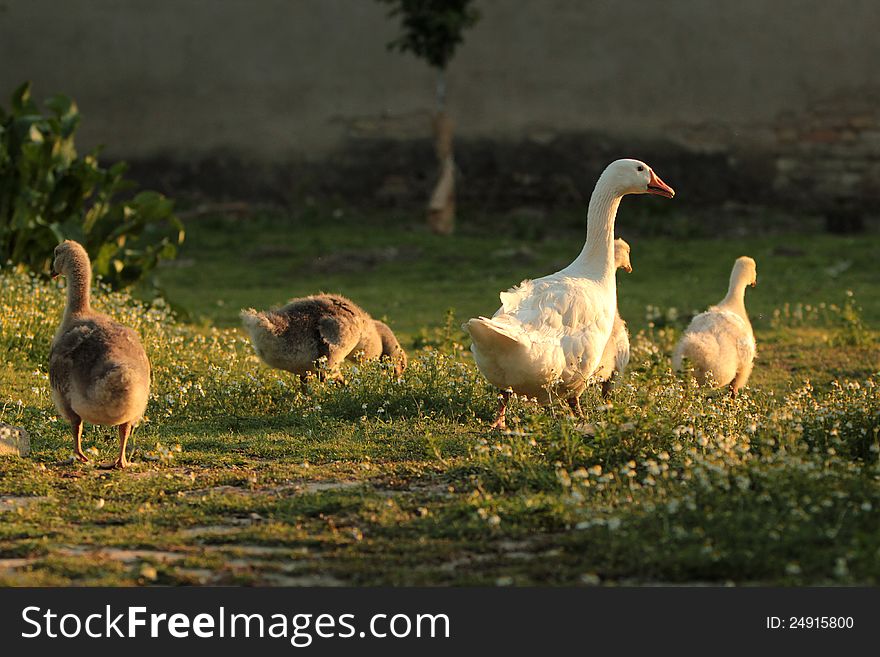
285 80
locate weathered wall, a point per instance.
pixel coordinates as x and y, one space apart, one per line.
746 84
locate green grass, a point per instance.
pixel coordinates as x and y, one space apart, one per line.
396 269
238 478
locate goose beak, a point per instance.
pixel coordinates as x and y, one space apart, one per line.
628 269
658 187
755 283
54 273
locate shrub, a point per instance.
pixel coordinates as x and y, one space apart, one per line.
48 194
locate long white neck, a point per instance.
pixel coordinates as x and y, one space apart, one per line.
79 279
596 259
736 294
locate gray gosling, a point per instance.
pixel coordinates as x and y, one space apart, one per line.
298 336
98 369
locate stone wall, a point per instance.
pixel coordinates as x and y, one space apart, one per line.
824 159
832 151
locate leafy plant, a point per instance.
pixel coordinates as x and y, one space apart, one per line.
48 194
432 29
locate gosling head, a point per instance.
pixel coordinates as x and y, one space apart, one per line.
391 348
745 270
621 256
69 257
634 177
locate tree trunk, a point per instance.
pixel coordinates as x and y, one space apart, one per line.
441 206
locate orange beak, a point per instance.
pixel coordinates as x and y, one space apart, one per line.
628 269
658 187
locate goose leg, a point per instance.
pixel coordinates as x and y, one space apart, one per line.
575 405
303 386
500 422
606 389
76 427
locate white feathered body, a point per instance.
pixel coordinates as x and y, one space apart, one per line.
548 336
720 342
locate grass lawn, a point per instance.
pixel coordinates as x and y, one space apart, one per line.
239 478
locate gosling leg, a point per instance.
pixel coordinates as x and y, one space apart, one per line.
124 432
739 381
76 426
500 423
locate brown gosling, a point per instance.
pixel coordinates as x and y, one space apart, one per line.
98 369
324 327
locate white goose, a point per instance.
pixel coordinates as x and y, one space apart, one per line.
549 334
720 341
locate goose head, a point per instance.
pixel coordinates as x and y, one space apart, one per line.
634 177
621 256
391 348
745 271
69 258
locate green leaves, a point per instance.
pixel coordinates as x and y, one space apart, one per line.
48 194
431 29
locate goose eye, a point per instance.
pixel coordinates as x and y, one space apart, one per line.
640 168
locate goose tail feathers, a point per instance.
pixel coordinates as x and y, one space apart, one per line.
488 333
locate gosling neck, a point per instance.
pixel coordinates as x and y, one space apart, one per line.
390 346
79 278
596 259
736 295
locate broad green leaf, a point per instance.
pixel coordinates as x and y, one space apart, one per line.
48 193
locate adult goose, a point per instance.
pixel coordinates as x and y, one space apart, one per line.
549 335
720 343
98 369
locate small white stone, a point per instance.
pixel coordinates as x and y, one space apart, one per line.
14 441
